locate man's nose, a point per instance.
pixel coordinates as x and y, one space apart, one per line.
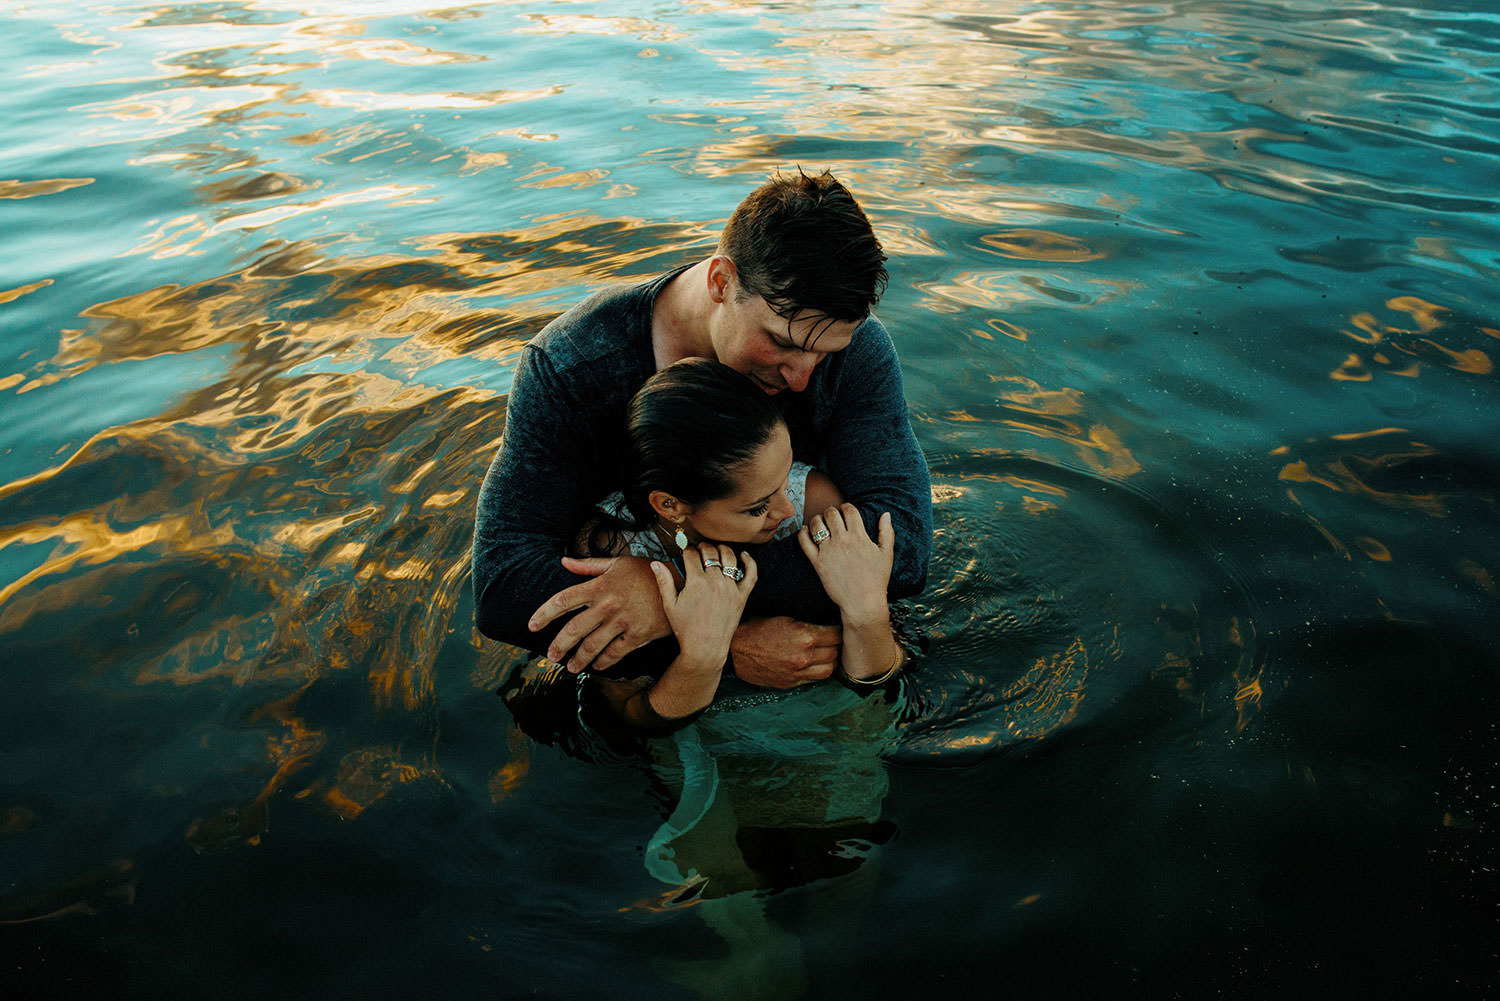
798 372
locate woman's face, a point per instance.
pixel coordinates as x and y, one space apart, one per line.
758 502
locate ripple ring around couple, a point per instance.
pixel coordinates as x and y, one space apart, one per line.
820 535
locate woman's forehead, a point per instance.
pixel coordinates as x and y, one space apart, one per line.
767 469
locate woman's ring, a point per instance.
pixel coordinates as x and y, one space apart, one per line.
820 535
733 573
709 561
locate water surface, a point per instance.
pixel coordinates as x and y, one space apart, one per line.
1195 304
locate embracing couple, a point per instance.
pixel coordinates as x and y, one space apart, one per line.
719 459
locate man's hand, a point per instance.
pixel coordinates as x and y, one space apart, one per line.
620 611
783 653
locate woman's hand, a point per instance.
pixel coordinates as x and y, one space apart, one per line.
854 569
856 573
705 613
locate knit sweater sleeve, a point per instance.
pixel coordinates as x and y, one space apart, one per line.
855 427
532 500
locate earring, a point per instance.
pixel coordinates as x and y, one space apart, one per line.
680 538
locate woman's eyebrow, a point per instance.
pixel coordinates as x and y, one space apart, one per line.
762 500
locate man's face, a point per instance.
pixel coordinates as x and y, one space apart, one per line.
751 338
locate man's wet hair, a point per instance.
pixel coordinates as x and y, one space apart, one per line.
803 243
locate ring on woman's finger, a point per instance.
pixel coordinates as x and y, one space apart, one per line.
820 535
709 561
733 573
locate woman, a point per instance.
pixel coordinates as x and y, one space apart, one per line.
708 465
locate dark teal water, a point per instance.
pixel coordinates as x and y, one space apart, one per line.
1196 305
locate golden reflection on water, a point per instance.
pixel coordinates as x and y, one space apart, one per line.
512 775
427 304
182 235
1038 245
1403 349
1046 696
289 750
1247 702
11 295
303 515
364 777
89 540
271 184
308 591
1340 476
365 100
1351 474
1054 414
35 189
1402 474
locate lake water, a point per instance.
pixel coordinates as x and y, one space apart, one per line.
1196 303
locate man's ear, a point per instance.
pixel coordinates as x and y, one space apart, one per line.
667 506
722 278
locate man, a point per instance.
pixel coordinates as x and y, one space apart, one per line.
786 300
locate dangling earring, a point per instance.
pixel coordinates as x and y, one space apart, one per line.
680 538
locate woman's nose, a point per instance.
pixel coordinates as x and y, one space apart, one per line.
781 507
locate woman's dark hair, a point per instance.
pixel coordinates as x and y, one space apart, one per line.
803 243
688 430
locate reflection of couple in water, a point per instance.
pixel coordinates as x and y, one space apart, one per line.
707 493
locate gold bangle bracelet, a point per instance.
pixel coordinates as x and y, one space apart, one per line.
890 673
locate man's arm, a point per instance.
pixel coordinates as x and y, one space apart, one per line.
871 453
537 492
531 501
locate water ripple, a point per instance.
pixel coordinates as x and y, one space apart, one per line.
1195 303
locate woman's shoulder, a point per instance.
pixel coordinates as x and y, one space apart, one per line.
821 493
809 490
